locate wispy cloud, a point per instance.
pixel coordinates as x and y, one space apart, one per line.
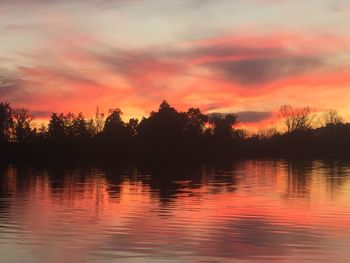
262 70
74 71
253 116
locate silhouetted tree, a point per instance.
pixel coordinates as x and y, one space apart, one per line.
79 127
68 127
114 126
296 119
22 124
131 127
99 121
91 128
56 128
223 124
332 118
42 133
166 124
170 133
6 122
68 119
196 122
267 133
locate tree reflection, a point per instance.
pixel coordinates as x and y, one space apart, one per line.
213 210
298 179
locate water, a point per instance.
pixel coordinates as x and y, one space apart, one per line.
248 211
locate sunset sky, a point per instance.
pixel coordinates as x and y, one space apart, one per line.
242 56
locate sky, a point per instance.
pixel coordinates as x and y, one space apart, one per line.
243 56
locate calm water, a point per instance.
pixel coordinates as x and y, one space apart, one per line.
249 211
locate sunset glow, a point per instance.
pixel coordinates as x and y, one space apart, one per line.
264 204
247 57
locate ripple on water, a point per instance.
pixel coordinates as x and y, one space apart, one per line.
249 211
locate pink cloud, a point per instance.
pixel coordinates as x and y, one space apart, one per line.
78 72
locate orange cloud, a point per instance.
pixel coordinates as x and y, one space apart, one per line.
231 73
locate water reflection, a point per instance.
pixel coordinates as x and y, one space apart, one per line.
251 211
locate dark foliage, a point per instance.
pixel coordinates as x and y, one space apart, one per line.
167 134
6 122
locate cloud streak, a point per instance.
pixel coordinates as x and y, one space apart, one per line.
253 116
224 74
263 70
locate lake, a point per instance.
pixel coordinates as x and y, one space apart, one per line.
246 211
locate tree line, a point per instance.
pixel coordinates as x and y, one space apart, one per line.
168 132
